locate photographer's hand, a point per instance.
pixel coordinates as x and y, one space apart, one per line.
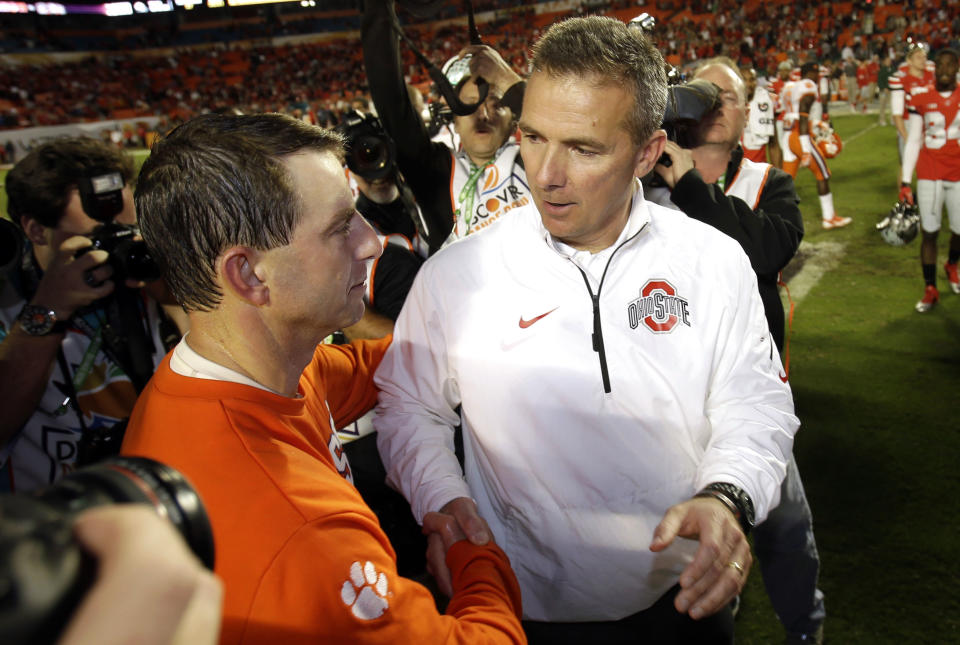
150 588
488 63
26 361
71 282
682 163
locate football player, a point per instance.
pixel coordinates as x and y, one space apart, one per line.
797 100
913 74
933 130
759 128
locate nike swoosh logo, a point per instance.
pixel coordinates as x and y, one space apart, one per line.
783 377
526 323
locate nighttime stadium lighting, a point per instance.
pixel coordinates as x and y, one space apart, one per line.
118 9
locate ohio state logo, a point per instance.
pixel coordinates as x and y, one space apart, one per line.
658 307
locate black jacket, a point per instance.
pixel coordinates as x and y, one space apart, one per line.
769 234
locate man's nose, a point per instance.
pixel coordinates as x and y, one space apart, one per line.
368 244
552 170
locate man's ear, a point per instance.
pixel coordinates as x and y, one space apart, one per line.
238 272
35 231
648 155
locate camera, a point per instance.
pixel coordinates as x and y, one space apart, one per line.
687 105
102 200
129 257
11 246
371 152
44 572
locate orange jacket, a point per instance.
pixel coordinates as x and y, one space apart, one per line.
302 557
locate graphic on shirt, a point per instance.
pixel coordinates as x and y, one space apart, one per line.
497 197
659 308
940 154
335 447
365 591
526 323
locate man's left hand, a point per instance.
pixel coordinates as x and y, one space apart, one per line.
721 564
682 163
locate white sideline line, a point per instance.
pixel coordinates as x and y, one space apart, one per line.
823 256
862 132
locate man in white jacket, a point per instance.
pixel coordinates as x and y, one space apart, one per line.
618 385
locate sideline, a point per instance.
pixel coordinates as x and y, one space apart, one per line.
856 136
815 258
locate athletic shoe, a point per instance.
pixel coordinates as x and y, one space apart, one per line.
836 222
952 276
930 297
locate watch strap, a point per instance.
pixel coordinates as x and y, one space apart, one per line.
28 315
735 499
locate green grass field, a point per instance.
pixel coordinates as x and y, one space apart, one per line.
875 385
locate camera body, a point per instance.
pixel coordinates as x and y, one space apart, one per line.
129 257
43 570
102 199
687 105
371 153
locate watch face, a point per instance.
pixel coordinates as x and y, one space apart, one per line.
37 321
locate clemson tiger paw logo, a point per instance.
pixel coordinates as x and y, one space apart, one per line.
365 592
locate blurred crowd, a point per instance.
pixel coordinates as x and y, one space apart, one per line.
321 80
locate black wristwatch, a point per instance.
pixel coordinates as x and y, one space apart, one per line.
38 320
736 499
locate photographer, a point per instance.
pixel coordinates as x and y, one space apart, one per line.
387 205
756 205
77 343
464 190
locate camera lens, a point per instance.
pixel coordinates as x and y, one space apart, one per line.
132 259
120 480
44 574
370 157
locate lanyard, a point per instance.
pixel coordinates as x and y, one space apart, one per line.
83 371
468 194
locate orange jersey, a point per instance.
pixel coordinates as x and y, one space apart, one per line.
303 559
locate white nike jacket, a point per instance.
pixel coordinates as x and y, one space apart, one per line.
573 480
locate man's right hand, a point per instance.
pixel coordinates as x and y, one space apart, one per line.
473 526
67 282
906 194
457 520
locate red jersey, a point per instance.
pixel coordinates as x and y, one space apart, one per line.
904 81
940 154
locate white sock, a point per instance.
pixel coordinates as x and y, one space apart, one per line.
826 206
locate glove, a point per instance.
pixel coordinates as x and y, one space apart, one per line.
906 194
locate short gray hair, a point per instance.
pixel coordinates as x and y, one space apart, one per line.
612 53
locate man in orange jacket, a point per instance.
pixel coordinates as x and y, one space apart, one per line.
255 227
